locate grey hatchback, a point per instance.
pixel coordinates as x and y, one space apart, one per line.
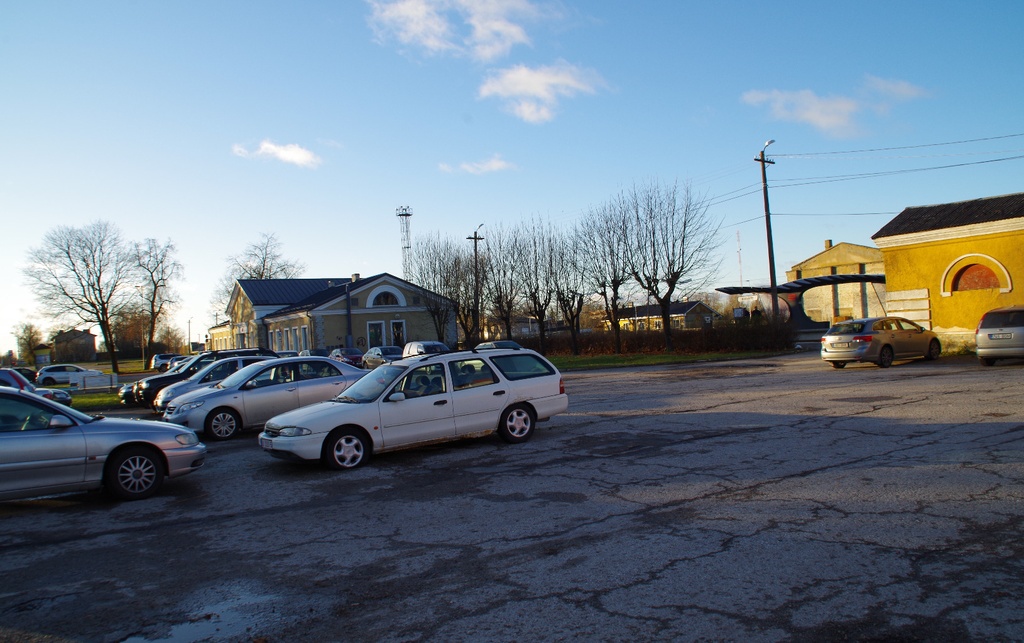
1000 335
878 339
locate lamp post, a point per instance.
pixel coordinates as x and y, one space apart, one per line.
768 229
476 239
188 341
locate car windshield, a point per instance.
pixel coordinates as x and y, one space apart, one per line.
369 387
848 328
390 350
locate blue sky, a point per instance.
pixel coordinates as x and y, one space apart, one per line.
209 123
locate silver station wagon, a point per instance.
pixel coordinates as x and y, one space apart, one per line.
879 340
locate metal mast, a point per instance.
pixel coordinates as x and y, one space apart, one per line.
404 214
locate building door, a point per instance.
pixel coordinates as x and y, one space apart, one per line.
398 333
375 334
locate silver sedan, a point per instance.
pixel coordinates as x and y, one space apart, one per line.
879 340
47 448
254 394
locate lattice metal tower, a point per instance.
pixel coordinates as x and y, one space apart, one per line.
404 214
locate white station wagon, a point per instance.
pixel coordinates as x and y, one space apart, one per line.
422 400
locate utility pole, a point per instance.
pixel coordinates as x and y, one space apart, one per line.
476 239
768 228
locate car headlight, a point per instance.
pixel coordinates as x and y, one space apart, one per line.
294 431
189 406
187 439
144 385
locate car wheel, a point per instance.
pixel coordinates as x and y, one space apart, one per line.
934 350
885 357
516 424
838 364
345 448
134 473
987 361
49 381
222 424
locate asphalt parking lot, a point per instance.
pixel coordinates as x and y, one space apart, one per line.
755 500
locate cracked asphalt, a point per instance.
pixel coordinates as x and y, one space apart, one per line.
754 500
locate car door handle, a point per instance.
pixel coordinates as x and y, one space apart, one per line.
293 388
440 402
497 393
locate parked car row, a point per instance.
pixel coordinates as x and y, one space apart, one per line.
881 340
310 408
13 378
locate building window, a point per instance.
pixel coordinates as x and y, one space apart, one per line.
975 277
385 299
305 338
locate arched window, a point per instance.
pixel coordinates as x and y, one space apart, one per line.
385 299
975 277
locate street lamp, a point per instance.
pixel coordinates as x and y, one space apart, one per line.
188 341
768 229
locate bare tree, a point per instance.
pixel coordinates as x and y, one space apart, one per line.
570 279
28 336
605 257
503 286
436 267
86 273
538 271
157 269
671 236
260 260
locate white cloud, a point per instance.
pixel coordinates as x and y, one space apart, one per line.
291 153
532 94
412 22
483 29
895 89
493 164
832 115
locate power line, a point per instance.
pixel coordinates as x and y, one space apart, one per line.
869 175
905 147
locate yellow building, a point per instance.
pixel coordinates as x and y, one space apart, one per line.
947 264
842 301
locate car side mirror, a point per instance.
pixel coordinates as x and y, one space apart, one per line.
397 396
61 422
248 386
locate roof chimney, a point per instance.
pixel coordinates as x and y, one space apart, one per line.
355 276
828 244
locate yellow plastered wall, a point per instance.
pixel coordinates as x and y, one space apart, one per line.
920 278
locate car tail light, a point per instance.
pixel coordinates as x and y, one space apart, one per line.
561 386
862 338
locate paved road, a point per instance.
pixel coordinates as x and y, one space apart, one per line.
761 500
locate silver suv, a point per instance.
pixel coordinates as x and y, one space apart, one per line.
1000 335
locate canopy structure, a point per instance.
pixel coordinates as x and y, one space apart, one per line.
792 295
803 285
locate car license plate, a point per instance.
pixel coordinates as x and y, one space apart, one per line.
840 344
266 443
1000 336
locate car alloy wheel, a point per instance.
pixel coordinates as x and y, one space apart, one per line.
134 473
222 424
345 449
516 424
885 357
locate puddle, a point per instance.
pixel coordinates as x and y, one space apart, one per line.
215 621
